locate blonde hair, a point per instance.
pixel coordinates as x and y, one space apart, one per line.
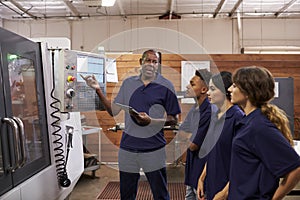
258 84
278 117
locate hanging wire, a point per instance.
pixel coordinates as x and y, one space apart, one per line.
45 11
82 36
131 32
242 22
285 35
202 26
138 25
108 32
261 22
178 33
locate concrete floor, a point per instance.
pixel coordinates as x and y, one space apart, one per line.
88 188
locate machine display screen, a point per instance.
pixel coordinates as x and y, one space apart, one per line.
89 65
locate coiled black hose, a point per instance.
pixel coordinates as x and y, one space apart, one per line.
60 161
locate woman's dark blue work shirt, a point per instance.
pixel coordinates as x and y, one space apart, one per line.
222 132
260 156
194 164
157 99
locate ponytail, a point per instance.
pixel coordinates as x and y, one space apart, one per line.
258 84
279 118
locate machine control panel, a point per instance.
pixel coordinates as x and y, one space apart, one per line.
65 80
71 89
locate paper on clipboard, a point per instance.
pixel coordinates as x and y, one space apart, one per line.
111 70
123 106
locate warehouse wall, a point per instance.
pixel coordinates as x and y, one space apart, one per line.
188 36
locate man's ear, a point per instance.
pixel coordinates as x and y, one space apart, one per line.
204 90
141 61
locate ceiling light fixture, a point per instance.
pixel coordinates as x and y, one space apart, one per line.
108 3
271 50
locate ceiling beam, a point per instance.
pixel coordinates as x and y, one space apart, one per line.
284 8
235 7
171 9
71 7
20 7
170 14
121 9
218 8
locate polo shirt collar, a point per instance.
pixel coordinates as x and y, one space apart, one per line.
231 111
157 79
204 105
247 118
228 114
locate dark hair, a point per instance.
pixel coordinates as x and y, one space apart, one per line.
150 51
258 84
223 81
204 74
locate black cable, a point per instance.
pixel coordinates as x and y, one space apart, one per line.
61 171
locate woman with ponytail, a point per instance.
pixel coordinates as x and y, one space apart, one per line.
262 151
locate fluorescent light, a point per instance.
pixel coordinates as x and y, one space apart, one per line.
38 3
108 3
271 50
118 52
259 14
274 48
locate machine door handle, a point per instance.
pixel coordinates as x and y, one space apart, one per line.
22 140
13 124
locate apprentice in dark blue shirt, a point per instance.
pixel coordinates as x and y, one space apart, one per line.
196 123
217 143
150 103
262 151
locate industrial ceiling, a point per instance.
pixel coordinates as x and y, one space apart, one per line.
160 9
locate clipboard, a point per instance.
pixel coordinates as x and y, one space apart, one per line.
127 108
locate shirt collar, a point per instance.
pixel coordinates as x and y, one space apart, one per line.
247 118
204 105
157 79
231 111
228 114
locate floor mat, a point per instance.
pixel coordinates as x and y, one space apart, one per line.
112 191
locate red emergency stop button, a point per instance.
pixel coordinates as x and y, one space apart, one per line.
71 78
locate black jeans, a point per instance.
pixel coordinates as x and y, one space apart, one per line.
157 180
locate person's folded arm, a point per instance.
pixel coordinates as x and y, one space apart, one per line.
287 184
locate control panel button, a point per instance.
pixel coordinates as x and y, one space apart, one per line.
69 106
70 93
71 78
